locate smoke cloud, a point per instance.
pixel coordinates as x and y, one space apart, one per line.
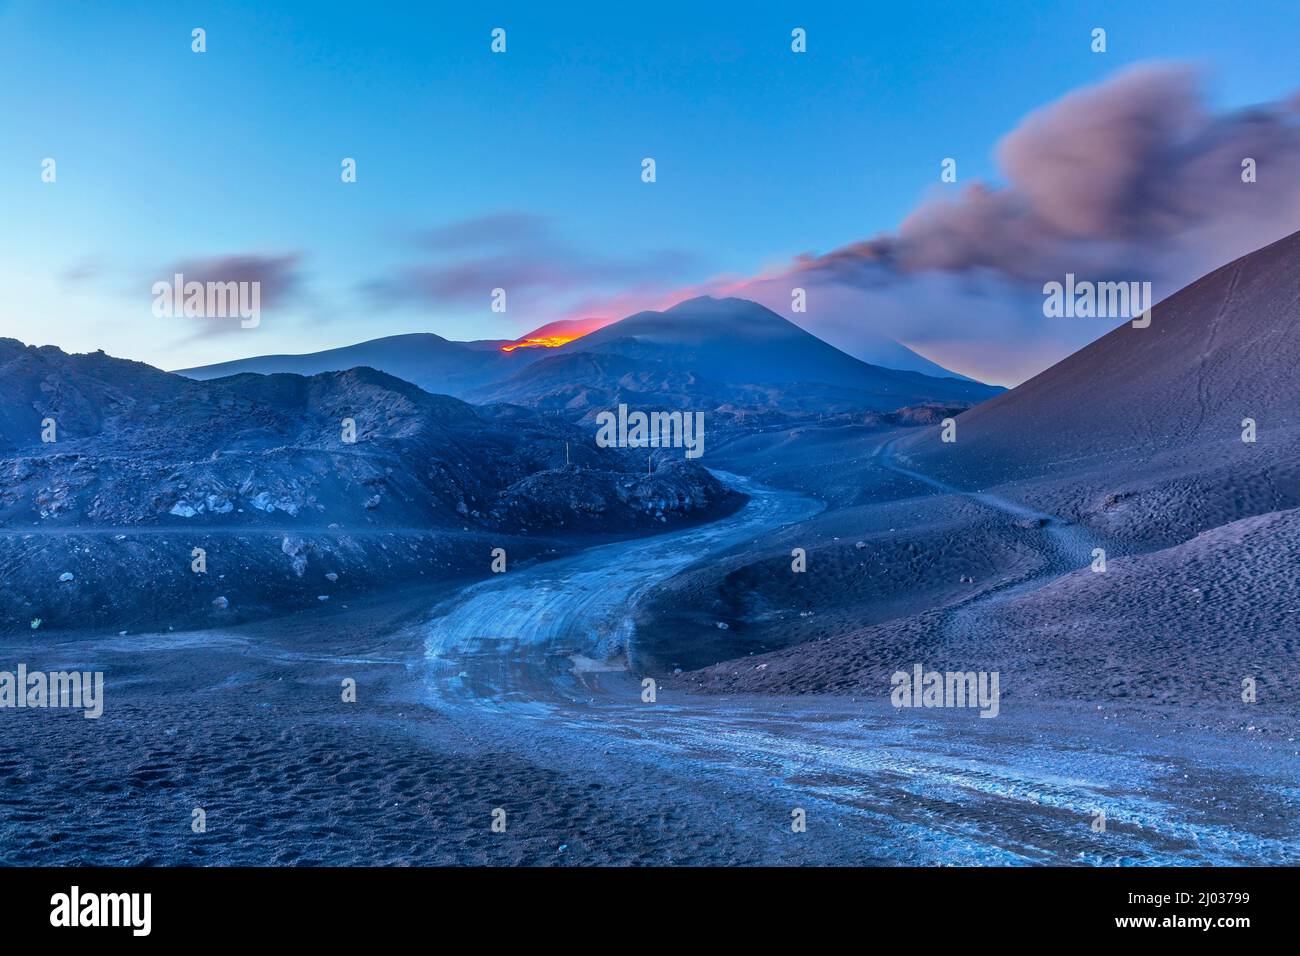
1134 179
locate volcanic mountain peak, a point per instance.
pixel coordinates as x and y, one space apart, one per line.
699 320
739 341
709 353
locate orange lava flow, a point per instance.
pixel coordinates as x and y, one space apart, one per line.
545 342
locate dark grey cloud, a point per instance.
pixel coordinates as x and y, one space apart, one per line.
278 279
1135 179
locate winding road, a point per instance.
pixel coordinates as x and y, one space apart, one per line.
536 660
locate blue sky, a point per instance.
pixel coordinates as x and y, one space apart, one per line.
168 156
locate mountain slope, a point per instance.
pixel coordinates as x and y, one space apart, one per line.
1225 348
1139 435
887 353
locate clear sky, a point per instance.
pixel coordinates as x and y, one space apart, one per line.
165 156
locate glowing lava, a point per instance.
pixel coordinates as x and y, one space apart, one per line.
554 334
544 342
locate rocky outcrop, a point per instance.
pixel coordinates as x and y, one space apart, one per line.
93 447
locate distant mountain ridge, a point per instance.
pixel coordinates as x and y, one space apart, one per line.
725 341
436 364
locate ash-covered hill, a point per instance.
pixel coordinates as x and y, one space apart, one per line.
146 466
1140 433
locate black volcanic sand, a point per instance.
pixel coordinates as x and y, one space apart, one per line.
1189 606
129 578
1174 494
1182 626
909 551
865 566
248 724
137 578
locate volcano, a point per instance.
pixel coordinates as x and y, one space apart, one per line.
708 352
